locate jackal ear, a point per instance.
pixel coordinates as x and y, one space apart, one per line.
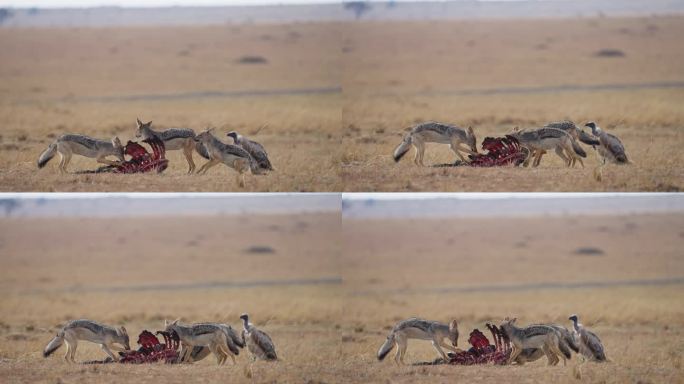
137 120
176 321
453 326
116 142
148 123
513 320
470 130
123 331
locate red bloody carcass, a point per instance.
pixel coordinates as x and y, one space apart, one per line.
500 151
482 352
497 152
152 351
142 161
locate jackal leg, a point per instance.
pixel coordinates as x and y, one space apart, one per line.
456 148
447 346
555 350
242 166
530 156
187 151
214 349
559 152
109 352
515 351
71 343
574 158
103 160
64 161
208 165
464 148
401 345
68 351
420 152
537 160
439 350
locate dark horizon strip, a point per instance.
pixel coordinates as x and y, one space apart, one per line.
211 94
335 280
556 89
528 287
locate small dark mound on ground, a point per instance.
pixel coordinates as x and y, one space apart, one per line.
609 53
589 251
260 249
252 60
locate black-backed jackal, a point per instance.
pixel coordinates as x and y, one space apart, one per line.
543 337
459 139
174 139
69 144
420 329
88 330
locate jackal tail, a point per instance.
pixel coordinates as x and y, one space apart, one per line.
563 347
621 158
570 341
387 347
202 150
578 150
254 167
47 154
54 344
402 148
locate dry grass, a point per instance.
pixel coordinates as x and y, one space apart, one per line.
67 81
74 280
397 74
429 262
330 333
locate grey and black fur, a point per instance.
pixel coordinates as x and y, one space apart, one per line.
590 345
459 139
611 148
109 338
234 343
255 149
174 139
542 337
257 341
72 144
538 141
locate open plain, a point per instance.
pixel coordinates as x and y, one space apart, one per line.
278 84
623 275
495 75
137 272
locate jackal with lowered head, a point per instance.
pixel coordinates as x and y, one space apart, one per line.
174 139
234 343
541 140
420 329
459 139
228 154
201 335
92 331
69 144
543 337
567 341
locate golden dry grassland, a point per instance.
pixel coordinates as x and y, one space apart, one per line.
392 75
138 272
496 75
60 269
97 81
481 270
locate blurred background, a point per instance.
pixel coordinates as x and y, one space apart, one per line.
615 260
140 260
